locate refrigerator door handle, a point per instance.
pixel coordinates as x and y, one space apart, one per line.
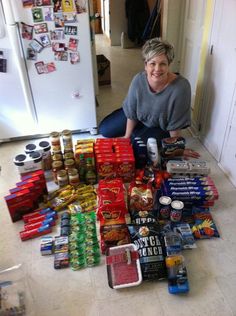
20 63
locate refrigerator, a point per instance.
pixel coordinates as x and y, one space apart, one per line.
46 68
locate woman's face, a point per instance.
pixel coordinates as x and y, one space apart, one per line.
157 69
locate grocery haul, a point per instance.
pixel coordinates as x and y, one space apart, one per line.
139 206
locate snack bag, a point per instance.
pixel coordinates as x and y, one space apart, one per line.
148 240
140 196
204 226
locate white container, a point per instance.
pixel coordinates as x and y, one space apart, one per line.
152 151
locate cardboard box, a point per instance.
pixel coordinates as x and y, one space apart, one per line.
104 70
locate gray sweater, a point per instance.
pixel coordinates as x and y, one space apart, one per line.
169 109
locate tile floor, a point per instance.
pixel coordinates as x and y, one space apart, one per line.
211 266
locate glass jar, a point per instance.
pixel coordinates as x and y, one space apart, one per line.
62 178
69 164
56 166
69 155
55 142
57 157
67 140
73 176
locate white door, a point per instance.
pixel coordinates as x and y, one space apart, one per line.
228 155
191 43
221 80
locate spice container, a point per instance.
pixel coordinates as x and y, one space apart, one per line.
67 140
55 142
56 166
73 176
62 178
69 164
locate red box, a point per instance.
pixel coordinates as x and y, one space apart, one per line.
106 168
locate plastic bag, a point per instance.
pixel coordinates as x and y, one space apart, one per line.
15 298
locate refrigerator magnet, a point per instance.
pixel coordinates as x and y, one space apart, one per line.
41 28
31 54
58 47
45 40
67 5
41 67
58 19
70 30
36 46
81 6
48 14
37 14
70 18
27 3
74 58
39 3
57 35
61 56
51 67
57 5
73 44
27 31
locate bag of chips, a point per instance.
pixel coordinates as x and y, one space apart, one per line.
148 240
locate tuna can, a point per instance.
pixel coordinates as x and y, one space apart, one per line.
176 211
164 207
55 142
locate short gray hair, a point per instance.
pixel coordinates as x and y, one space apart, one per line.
156 46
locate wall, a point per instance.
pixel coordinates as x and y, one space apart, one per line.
172 17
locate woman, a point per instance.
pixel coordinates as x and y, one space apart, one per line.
158 101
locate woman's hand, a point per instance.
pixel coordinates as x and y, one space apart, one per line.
189 153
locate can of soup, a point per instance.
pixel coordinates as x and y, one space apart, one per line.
164 207
176 210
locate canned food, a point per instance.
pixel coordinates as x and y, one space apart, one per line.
176 210
62 178
55 142
164 207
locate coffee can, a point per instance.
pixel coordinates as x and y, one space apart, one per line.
176 210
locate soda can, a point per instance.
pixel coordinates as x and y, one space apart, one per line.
176 210
164 207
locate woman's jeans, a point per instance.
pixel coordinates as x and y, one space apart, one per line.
114 125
